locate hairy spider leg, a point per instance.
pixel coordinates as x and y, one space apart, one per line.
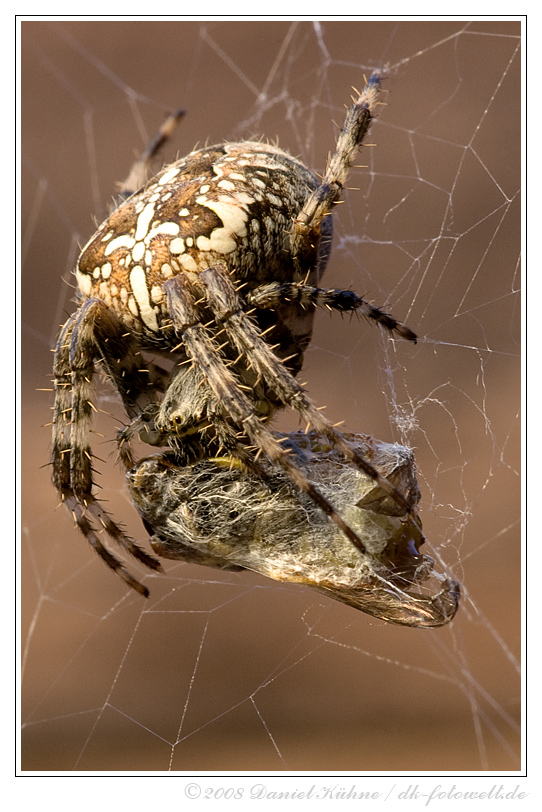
138 171
80 345
319 204
246 337
205 353
277 293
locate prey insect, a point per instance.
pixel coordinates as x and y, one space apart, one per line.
217 514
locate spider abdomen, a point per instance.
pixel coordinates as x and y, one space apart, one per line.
232 203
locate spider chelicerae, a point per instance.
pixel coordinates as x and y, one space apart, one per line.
215 263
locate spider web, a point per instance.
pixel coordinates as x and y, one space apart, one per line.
230 671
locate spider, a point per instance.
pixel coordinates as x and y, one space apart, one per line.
214 264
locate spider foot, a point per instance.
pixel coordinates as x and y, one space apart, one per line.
345 301
79 508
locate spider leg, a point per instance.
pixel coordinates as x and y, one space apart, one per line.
319 204
246 337
78 347
277 293
224 385
138 172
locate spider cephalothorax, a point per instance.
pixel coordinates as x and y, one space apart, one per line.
214 263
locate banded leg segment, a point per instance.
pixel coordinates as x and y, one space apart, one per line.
75 355
138 172
246 337
320 203
236 404
277 293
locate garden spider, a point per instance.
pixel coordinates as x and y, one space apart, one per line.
215 264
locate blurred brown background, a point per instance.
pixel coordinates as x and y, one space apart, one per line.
231 671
